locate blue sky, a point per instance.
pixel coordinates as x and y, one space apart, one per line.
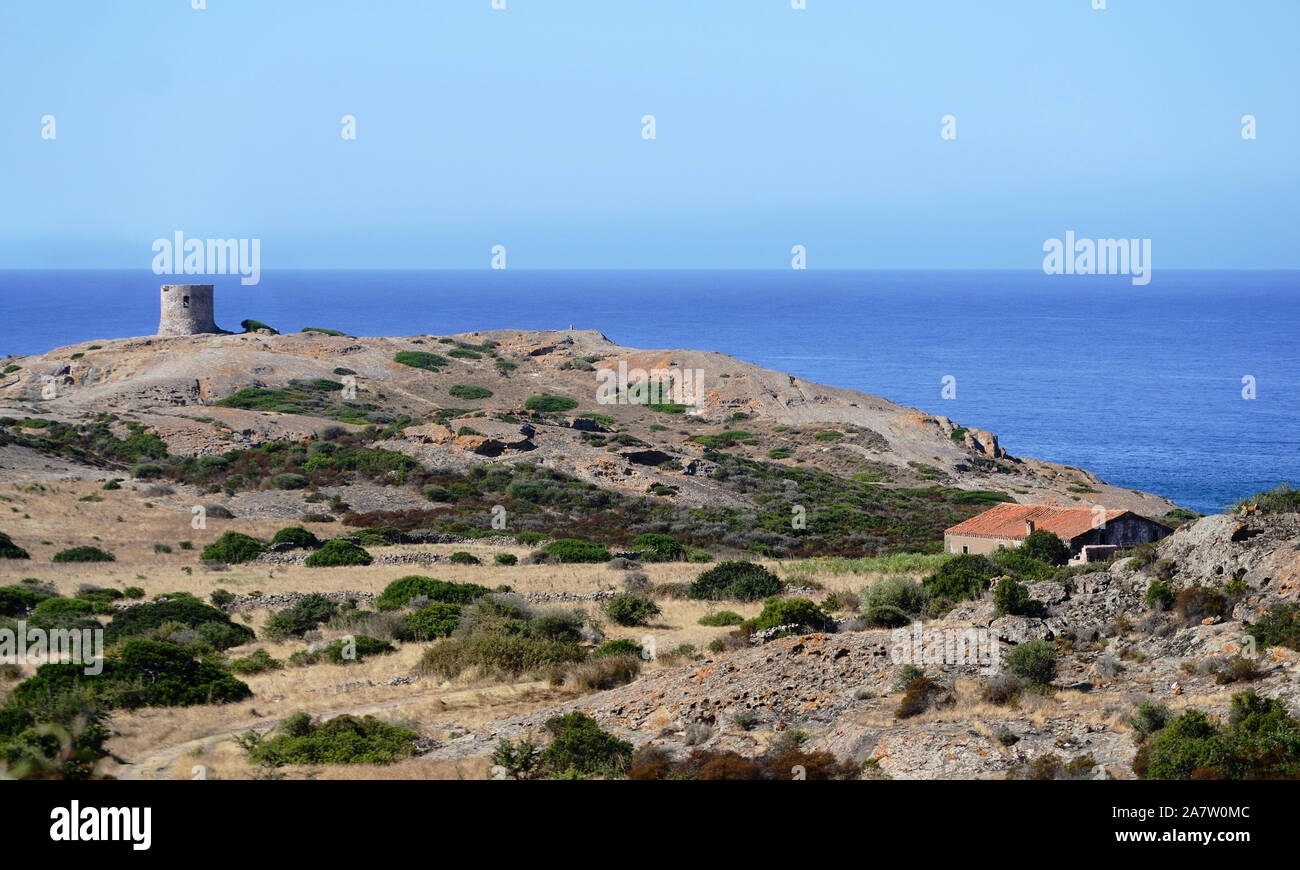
775 127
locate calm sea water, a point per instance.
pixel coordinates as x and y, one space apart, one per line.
1142 385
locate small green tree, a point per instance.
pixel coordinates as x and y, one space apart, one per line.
1046 547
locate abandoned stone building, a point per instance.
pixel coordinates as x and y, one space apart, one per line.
187 309
1090 533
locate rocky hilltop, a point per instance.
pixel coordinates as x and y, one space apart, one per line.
181 389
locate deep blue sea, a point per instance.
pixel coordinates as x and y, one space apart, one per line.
1142 385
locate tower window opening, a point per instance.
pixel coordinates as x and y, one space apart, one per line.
185 302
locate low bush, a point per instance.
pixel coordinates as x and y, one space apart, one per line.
1011 598
655 547
571 551
341 740
550 404
338 553
400 591
579 746
461 391
258 662
297 536
505 559
893 601
1259 740
460 557
233 548
303 616
736 581
420 359
145 673
10 550
620 647
1279 626
1033 660
791 611
212 625
721 618
1160 595
431 621
628 609
83 554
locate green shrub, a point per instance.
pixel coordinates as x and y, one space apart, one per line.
297 536
580 747
233 548
212 625
569 550
303 616
505 655
1012 599
461 391
658 548
133 592
1160 595
83 554
324 331
460 557
436 493
628 609
420 359
963 576
400 591
791 611
251 325
221 597
893 601
287 481
432 620
528 539
1282 500
19 600
258 662
721 618
1197 602
1260 740
1280 626
341 740
1033 660
505 559
355 648
10 550
338 553
146 673
620 647
737 581
550 404
1046 547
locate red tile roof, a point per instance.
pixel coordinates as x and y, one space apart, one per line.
1007 520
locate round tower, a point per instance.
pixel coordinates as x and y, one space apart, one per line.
186 310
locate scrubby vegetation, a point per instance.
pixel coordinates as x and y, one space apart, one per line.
1259 740
735 581
83 554
550 404
206 624
233 548
10 550
338 553
341 740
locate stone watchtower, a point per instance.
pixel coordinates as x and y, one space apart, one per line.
186 310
